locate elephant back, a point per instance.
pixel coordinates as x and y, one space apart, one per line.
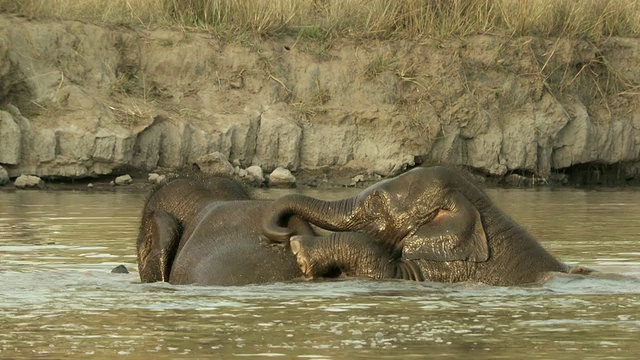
168 209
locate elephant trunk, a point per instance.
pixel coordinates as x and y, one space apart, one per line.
353 254
339 215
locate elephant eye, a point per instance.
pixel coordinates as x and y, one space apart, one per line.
427 215
432 215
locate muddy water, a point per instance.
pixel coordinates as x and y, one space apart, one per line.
58 298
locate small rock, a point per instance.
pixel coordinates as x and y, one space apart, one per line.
153 178
356 180
27 181
281 177
236 163
112 183
90 185
123 180
242 173
156 178
215 163
4 176
120 269
255 174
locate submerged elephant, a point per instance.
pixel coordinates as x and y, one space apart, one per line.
426 224
208 232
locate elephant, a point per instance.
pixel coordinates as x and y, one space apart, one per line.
429 223
208 232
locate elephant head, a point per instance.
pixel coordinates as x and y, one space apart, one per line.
424 213
428 214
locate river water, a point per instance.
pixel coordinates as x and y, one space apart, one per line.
58 298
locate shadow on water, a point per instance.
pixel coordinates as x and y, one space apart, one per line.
59 298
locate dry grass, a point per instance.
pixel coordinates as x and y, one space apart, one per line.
590 19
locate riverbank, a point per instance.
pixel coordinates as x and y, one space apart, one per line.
305 180
81 101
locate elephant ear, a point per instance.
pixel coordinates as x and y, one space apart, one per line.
455 234
166 231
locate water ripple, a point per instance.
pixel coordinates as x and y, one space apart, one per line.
59 298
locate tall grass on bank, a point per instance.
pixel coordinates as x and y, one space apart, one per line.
591 19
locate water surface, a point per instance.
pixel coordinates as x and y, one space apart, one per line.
58 298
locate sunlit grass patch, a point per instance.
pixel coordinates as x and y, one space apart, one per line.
591 19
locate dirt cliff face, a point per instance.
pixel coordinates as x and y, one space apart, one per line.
81 100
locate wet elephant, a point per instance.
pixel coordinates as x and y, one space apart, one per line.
208 232
426 224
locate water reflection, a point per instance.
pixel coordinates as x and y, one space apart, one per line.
58 297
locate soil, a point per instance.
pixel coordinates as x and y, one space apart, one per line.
81 101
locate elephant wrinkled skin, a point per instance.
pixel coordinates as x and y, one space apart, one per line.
208 232
426 224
